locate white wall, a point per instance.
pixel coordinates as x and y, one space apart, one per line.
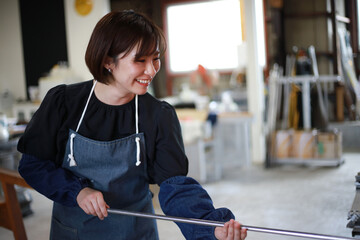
12 72
78 32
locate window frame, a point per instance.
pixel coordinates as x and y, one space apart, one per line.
170 76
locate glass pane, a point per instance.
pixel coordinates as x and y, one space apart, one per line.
206 33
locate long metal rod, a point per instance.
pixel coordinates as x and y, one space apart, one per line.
221 224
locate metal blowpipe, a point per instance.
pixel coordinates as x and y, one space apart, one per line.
221 224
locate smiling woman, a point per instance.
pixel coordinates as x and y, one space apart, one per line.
100 143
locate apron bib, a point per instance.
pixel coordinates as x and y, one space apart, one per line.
116 168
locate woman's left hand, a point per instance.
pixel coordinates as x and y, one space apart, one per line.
231 231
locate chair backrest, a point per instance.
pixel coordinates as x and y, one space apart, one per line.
10 213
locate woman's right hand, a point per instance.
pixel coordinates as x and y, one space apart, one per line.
92 202
231 231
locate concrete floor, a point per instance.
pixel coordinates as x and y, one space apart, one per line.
308 199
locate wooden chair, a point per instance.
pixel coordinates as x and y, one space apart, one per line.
10 212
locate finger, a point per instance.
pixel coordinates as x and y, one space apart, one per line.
97 210
225 229
231 229
91 211
102 206
237 231
243 233
85 209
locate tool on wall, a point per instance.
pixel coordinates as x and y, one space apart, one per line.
221 224
322 92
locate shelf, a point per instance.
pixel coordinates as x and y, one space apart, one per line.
339 18
280 23
307 15
310 78
292 19
275 83
305 81
320 162
342 19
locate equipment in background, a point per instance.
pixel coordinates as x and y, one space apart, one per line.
351 82
354 213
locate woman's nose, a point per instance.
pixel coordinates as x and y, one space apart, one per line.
150 69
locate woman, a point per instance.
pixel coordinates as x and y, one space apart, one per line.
101 143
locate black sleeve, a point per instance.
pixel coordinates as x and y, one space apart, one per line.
184 197
40 138
40 147
57 184
170 159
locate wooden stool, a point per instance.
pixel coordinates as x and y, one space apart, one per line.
10 213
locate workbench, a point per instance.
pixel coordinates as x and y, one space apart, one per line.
228 146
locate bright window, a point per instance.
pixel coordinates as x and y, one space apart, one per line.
206 33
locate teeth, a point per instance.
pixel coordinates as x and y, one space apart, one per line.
143 81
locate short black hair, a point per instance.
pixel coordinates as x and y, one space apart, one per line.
119 32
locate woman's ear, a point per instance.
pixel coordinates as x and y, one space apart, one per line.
109 63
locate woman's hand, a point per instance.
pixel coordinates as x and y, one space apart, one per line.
232 230
92 202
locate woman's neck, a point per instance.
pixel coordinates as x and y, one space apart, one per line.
111 95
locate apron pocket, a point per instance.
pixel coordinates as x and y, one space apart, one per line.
60 232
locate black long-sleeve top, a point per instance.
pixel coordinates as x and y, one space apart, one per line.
44 141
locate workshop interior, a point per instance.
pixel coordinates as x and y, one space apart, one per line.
267 93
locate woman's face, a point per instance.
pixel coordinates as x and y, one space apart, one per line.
133 74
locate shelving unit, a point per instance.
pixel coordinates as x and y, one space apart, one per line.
305 82
302 24
276 81
319 23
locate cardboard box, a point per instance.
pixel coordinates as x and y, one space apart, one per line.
283 140
308 144
303 144
329 145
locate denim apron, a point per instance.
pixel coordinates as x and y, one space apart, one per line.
116 168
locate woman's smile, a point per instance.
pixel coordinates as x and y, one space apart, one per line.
144 82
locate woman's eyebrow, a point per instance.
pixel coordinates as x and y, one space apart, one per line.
137 56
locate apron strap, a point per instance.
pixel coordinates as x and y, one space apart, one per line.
136 114
71 157
71 154
137 139
87 103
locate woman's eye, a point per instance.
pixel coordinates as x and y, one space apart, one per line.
144 60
